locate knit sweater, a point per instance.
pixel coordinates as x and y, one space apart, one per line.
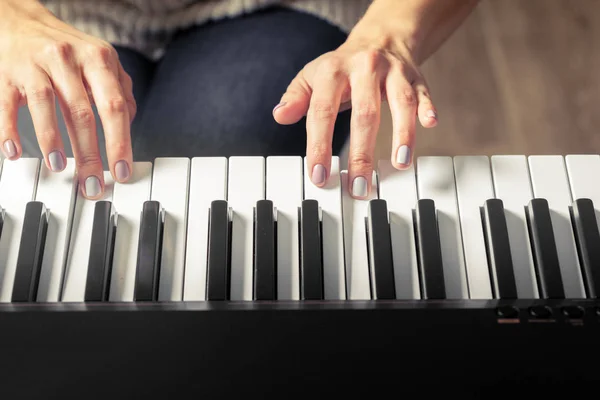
147 25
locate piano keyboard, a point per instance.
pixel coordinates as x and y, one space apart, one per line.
230 275
256 229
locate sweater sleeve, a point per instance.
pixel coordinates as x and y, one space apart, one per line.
147 25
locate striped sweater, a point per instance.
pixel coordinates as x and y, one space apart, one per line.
146 25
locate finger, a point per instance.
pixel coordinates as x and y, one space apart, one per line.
41 103
426 110
403 107
295 101
365 119
103 78
80 121
9 108
127 87
322 112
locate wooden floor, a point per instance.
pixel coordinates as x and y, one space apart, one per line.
519 77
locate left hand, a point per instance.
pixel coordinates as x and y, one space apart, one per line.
358 75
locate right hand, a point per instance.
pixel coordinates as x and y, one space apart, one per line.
43 60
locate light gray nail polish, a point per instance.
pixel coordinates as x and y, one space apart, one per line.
403 156
122 170
57 162
318 174
359 187
92 186
10 149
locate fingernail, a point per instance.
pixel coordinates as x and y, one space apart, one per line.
283 103
403 156
10 149
359 187
431 114
57 162
318 174
122 170
92 186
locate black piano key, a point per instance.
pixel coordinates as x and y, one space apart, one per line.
498 250
101 252
2 216
31 252
219 251
380 251
587 238
429 251
149 252
265 252
311 252
544 249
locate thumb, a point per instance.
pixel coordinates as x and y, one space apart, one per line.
295 101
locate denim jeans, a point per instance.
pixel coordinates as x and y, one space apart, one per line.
213 91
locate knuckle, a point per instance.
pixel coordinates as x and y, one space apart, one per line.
322 111
7 131
60 51
361 161
42 94
369 59
120 148
367 114
88 160
47 136
332 66
115 105
404 134
81 115
101 56
319 151
406 97
127 80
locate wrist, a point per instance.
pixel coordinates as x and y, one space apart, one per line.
411 28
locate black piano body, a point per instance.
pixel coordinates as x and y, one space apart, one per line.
281 349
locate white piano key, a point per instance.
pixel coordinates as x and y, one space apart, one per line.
245 186
512 185
583 171
355 211
79 248
128 200
58 192
208 182
284 188
549 180
330 201
399 189
473 187
17 187
170 182
435 181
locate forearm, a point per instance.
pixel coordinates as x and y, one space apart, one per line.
418 27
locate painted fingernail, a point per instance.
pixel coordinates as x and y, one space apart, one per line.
92 186
318 174
283 103
403 156
10 150
359 187
431 114
122 170
56 160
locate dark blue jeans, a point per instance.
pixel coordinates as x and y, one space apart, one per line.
213 92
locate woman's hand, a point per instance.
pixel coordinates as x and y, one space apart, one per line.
379 61
43 60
